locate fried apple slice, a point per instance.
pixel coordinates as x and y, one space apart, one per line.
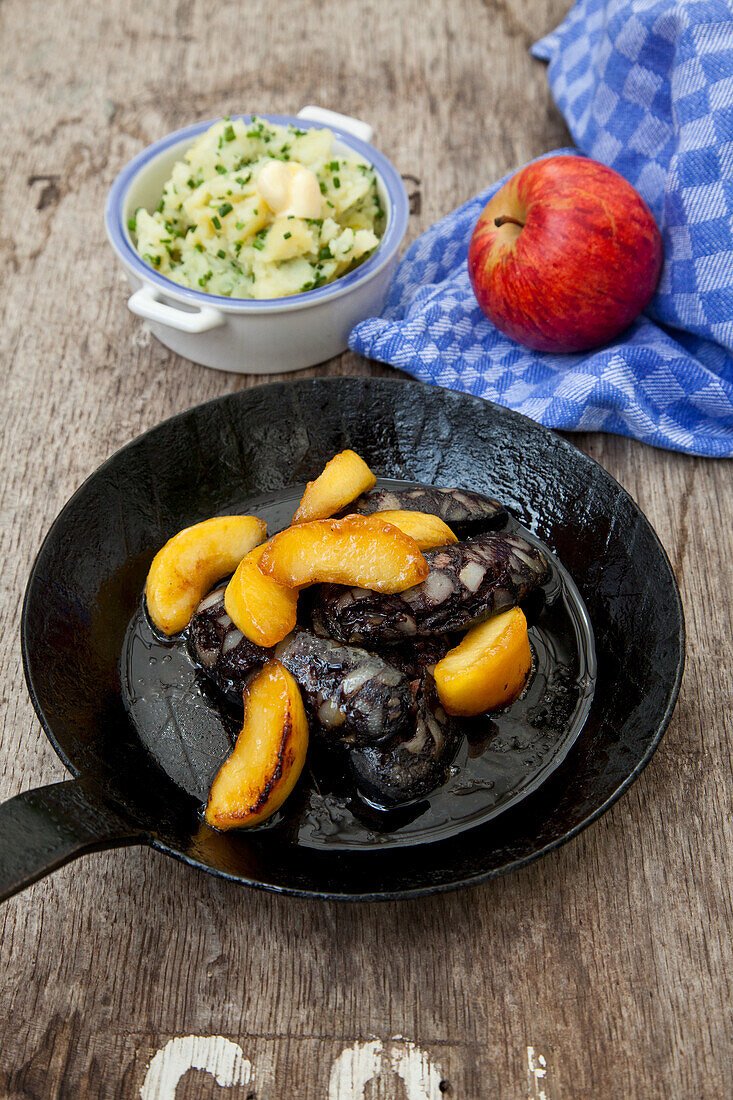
344 478
357 550
427 530
192 562
489 668
268 756
264 610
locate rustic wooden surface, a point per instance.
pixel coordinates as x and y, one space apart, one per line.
604 970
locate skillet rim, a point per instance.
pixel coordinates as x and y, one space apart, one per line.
146 836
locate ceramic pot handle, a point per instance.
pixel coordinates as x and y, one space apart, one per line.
42 829
145 303
361 130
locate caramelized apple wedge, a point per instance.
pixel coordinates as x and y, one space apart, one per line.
268 756
344 478
427 530
358 550
488 669
192 562
262 609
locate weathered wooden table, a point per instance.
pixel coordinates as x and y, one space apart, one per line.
604 970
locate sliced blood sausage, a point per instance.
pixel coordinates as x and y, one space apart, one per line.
464 511
467 583
350 694
415 766
220 649
414 656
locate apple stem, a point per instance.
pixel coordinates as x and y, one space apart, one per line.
498 222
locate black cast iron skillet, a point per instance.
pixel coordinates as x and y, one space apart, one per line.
86 583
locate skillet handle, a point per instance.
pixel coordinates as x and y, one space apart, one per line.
42 829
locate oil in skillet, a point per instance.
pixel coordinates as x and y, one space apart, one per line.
189 731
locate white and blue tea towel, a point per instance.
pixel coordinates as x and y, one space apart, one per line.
646 86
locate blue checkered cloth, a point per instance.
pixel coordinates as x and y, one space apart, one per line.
645 86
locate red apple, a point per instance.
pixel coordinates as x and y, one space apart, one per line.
565 255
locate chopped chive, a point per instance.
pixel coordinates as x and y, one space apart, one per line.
215 222
325 253
220 169
336 181
322 186
239 225
222 254
319 280
259 245
224 209
132 224
229 133
160 206
287 236
198 246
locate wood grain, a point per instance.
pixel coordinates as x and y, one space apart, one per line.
611 958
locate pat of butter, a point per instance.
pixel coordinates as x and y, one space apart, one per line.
290 189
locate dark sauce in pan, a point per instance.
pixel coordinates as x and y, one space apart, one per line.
190 730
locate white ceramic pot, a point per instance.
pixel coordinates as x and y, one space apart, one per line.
244 335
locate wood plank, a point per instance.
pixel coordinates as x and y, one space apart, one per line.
611 959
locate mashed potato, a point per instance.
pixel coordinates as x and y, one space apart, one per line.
214 230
